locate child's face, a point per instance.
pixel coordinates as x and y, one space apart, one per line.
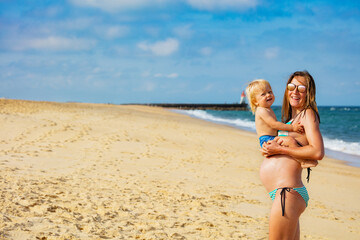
265 97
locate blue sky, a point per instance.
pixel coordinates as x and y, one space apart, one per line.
177 51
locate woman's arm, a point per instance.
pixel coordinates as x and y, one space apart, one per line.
313 151
291 142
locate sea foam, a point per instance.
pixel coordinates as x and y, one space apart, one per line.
336 148
240 123
342 146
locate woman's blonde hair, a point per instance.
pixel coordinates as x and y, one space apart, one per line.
310 102
252 89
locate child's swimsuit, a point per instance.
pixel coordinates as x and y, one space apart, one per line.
301 190
265 138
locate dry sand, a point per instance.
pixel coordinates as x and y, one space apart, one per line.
86 171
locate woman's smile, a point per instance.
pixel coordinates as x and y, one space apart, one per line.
296 98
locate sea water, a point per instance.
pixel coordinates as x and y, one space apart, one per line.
340 127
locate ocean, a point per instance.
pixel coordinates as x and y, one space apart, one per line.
340 128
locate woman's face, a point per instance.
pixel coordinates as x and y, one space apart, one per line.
297 99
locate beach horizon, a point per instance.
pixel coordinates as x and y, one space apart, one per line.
108 171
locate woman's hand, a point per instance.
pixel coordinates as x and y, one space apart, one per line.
270 148
275 147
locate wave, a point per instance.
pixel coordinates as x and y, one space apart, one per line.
241 123
342 146
334 145
347 109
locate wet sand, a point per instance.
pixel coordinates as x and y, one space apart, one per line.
96 171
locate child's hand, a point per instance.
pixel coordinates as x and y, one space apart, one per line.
297 127
286 141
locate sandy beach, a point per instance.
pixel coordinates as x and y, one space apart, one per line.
97 171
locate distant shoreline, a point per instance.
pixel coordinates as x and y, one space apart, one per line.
200 106
346 158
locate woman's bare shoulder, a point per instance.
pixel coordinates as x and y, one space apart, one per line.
309 115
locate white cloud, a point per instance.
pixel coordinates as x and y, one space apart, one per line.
158 75
96 70
52 43
211 5
208 87
146 74
171 75
206 51
184 31
161 48
208 5
116 5
112 32
148 86
152 31
116 31
75 23
51 11
271 53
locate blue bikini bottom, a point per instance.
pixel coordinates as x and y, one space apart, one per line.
301 190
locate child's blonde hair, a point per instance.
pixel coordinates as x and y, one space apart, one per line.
252 89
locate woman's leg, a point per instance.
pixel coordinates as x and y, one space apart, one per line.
287 226
297 234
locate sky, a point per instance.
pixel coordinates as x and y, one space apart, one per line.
176 51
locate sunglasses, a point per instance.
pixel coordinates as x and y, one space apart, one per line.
300 88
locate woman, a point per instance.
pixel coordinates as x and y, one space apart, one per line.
281 171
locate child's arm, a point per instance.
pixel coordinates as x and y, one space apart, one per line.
266 115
